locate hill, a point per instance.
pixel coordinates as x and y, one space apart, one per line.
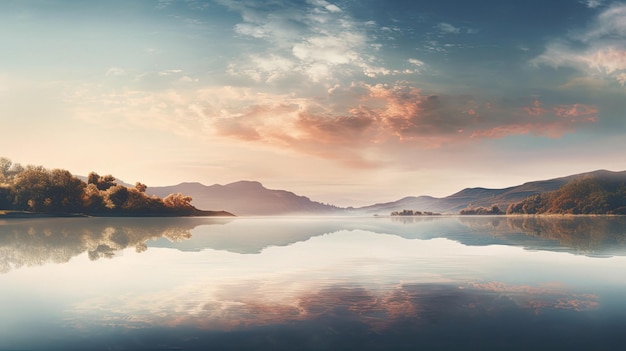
482 197
600 192
247 198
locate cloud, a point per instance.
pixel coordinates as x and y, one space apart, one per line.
188 79
353 124
115 71
433 119
447 28
264 68
592 4
599 50
169 72
379 114
551 122
416 62
317 41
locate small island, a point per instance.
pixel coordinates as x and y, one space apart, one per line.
34 191
414 213
481 211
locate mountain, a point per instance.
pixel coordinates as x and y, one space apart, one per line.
249 198
246 198
481 197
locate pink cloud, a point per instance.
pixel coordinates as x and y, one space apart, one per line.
577 112
535 109
336 130
361 117
253 123
411 116
552 123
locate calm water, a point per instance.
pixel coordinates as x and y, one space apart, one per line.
473 283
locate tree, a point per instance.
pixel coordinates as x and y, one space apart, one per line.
93 178
494 210
31 188
93 200
102 182
141 187
5 165
178 201
38 189
6 197
8 170
118 195
586 195
65 192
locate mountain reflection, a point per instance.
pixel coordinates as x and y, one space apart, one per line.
587 235
40 241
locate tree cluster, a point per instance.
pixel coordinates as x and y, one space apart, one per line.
57 191
494 210
587 195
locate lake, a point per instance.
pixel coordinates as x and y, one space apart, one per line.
339 283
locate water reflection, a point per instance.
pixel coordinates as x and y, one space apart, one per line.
480 316
592 236
40 241
587 235
312 284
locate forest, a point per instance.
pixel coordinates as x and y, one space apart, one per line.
586 195
58 192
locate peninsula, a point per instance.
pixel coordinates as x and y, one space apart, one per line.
36 191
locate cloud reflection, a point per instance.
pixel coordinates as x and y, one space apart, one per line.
422 305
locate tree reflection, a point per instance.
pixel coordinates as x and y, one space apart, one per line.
587 235
37 242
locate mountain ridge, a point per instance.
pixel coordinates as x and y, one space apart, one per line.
251 198
247 198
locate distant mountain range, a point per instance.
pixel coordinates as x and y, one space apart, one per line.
477 197
248 198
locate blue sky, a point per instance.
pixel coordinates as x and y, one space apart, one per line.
348 102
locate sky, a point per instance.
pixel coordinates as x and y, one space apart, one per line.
349 102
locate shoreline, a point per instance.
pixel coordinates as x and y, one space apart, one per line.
6 214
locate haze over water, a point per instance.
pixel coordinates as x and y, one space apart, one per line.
313 283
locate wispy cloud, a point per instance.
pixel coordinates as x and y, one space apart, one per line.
317 41
592 4
447 28
598 50
115 71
